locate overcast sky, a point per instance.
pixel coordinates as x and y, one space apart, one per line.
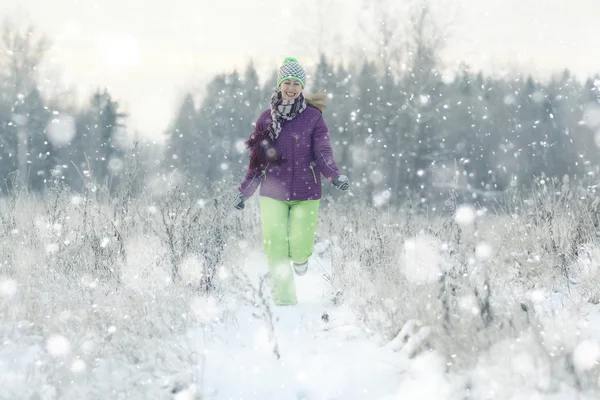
148 51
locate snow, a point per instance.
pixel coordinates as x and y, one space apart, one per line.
204 308
597 138
424 379
8 287
483 251
317 361
331 359
116 164
591 115
240 146
586 355
377 177
58 345
381 199
61 130
191 270
78 366
465 215
421 259
230 350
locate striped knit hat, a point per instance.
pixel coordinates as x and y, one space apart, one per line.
290 69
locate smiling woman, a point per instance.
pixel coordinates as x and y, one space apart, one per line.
289 150
118 51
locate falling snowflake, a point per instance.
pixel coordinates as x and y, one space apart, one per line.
465 215
483 251
58 346
376 177
382 198
469 304
223 274
61 130
240 146
591 115
538 96
116 164
421 259
586 355
509 99
8 288
597 138
78 366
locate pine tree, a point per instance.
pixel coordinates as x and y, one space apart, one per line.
183 140
214 121
365 129
40 153
98 149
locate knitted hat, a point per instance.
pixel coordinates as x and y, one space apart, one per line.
290 69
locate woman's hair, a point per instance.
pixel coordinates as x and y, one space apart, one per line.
316 100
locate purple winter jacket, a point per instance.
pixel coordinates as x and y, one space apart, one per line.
304 144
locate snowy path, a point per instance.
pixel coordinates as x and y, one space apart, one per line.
233 359
319 360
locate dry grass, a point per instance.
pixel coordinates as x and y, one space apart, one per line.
119 277
123 287
469 304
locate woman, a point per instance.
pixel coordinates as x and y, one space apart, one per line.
289 150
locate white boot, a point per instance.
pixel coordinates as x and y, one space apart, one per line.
300 269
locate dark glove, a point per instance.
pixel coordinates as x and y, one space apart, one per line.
341 182
239 200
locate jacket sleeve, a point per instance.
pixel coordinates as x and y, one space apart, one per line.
252 180
322 152
250 183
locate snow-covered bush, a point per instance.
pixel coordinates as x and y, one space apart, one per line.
97 289
474 283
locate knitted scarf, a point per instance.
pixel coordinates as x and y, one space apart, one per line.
262 143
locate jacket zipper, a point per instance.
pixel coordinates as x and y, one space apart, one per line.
313 172
265 171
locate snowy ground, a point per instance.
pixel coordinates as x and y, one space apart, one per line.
319 358
70 331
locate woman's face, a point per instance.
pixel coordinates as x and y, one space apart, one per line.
290 89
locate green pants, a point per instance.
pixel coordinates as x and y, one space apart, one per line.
288 234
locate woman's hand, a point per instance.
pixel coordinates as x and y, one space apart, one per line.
341 182
239 200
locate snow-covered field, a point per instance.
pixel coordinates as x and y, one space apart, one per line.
472 304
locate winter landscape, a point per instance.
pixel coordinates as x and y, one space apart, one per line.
462 263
